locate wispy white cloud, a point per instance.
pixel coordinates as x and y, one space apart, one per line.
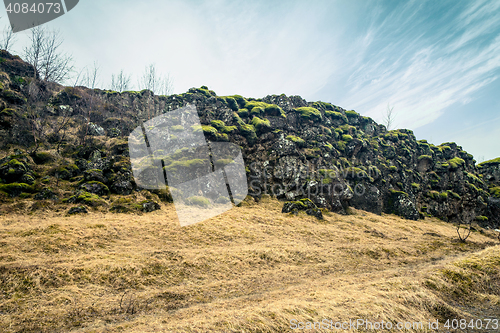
423 75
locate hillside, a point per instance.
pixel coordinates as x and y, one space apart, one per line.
67 146
84 249
251 269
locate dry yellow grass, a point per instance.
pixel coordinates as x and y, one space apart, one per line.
251 269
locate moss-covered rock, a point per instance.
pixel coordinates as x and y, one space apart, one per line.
297 140
95 187
456 162
198 201
261 125
84 197
309 113
304 204
16 189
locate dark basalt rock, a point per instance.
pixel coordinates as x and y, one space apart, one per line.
150 206
78 210
293 149
95 187
46 194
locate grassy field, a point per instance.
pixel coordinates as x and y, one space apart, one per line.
251 269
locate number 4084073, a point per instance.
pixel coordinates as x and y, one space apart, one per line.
25 8
477 324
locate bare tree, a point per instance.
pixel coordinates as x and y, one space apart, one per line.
8 38
44 54
34 114
153 81
150 79
92 75
120 82
390 115
166 86
464 225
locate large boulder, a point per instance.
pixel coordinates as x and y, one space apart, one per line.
95 187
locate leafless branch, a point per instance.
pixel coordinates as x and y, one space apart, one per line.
44 54
8 38
390 115
120 82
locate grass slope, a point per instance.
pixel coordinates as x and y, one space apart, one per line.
251 269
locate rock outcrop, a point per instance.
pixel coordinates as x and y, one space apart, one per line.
293 149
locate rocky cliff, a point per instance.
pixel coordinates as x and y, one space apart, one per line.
68 145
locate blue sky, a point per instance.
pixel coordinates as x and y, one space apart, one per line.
436 62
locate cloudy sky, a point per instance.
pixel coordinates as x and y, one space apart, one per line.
436 62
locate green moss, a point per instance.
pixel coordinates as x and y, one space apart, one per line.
15 189
231 102
473 187
425 157
206 129
258 108
341 145
442 166
454 195
8 112
274 111
443 195
481 218
328 146
355 172
323 105
392 136
177 128
239 100
433 195
222 137
296 139
248 131
15 163
473 177
243 113
415 186
198 201
203 90
493 162
393 168
261 125
352 114
336 116
309 113
495 192
347 137
257 111
456 162
221 126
